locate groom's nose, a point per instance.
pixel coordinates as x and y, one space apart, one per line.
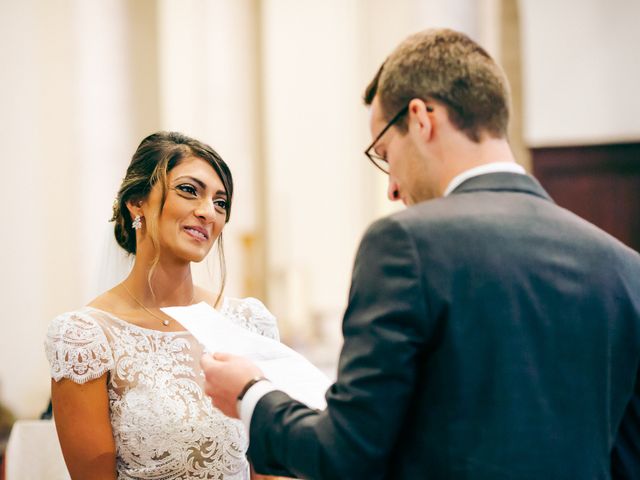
393 190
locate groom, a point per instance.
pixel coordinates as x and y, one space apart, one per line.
489 334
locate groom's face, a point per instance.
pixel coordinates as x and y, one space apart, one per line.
409 176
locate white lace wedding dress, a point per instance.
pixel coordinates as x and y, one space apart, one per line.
164 425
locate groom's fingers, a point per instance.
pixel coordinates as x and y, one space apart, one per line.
211 361
207 361
222 356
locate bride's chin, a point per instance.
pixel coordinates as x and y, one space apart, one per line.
194 255
189 256
199 257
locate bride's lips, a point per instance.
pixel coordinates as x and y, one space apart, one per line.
196 232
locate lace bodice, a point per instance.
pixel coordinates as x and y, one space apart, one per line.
163 424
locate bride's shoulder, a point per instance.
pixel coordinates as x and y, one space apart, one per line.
79 324
249 305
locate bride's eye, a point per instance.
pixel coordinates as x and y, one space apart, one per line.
220 204
188 189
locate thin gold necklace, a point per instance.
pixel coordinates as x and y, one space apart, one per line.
165 321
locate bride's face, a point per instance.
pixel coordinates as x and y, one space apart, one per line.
194 211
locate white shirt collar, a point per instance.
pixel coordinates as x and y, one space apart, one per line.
481 170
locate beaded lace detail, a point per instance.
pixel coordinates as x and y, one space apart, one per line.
163 424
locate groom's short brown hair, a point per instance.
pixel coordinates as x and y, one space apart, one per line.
449 67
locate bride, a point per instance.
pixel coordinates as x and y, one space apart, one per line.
126 382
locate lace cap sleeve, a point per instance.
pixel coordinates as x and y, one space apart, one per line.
253 315
77 348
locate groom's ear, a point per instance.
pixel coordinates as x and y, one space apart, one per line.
422 119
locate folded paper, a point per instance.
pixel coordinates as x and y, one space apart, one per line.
285 368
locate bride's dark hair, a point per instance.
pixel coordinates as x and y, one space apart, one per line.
154 158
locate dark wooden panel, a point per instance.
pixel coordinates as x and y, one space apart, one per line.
601 183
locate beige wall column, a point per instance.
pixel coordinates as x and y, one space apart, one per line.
510 57
34 131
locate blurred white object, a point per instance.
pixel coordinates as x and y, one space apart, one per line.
33 451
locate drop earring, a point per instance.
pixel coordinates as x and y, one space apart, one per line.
137 223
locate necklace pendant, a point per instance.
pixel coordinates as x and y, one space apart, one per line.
165 323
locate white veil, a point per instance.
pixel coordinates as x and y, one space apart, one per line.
113 265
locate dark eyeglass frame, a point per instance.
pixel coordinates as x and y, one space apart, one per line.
379 161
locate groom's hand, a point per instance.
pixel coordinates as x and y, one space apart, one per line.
225 377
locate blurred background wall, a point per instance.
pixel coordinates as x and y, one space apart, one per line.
275 86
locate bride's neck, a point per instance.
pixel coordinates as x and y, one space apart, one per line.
168 285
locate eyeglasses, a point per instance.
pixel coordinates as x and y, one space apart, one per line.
370 152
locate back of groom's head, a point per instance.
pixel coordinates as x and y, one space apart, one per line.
448 67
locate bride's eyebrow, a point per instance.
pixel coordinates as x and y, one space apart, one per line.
193 179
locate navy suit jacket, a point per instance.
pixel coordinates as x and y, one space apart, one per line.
489 334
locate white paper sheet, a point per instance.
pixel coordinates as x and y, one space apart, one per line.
286 369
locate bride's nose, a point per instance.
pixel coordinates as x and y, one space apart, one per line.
206 211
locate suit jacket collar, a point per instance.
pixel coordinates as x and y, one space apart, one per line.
502 182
